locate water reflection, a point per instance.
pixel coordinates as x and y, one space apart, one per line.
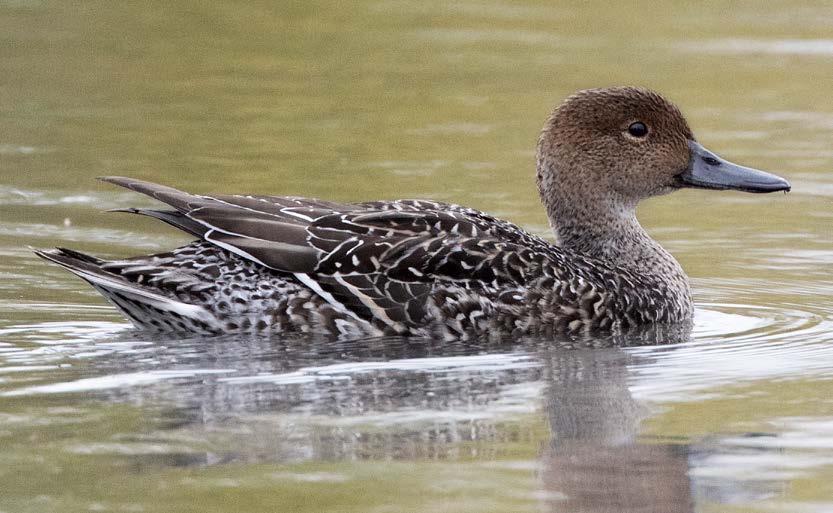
594 462
373 400
259 401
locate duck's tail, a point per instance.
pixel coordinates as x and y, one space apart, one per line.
146 308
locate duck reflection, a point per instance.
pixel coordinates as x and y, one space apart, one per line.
407 399
594 462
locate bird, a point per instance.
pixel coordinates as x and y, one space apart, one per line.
281 265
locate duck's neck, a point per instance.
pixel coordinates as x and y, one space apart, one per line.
609 231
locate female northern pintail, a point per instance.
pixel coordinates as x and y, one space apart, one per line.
414 267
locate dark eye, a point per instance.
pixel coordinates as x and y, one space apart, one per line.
638 129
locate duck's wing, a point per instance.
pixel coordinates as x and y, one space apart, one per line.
378 261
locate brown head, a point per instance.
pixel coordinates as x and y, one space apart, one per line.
604 150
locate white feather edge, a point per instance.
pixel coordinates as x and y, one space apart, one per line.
159 301
229 247
236 250
368 301
326 296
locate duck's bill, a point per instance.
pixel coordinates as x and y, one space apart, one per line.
708 171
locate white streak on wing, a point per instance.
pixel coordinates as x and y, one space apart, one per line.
229 247
368 301
142 269
213 228
354 248
296 214
241 207
272 245
326 296
284 210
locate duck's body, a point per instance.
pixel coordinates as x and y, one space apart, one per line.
412 267
409 267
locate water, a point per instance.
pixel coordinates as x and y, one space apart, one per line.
409 99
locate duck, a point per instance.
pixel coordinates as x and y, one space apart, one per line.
281 265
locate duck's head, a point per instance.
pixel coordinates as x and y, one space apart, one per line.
610 148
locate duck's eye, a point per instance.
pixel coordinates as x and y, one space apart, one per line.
638 129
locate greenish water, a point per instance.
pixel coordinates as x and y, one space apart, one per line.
366 100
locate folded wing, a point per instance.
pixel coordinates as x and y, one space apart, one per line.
378 261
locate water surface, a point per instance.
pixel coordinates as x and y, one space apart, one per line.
410 99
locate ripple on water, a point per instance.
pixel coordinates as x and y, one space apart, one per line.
45 198
34 233
18 149
114 381
733 343
473 363
817 47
